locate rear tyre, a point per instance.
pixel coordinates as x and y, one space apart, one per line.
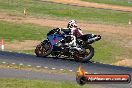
43 49
85 57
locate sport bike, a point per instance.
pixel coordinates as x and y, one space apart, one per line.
57 44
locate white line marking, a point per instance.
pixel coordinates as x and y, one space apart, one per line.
53 68
38 66
70 70
21 64
13 63
46 67
29 65
61 69
4 62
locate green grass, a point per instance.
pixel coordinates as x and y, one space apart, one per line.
113 2
26 51
13 31
24 83
107 52
110 47
59 11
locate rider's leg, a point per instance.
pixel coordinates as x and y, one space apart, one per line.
73 43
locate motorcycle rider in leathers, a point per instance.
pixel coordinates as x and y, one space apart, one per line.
75 32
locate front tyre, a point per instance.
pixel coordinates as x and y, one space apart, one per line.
43 49
85 57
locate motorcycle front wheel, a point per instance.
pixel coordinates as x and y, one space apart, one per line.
43 49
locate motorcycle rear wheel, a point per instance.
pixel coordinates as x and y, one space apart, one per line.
85 57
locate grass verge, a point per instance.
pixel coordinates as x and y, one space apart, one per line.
59 11
13 31
27 83
113 2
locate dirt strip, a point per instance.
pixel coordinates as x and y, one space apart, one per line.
57 23
93 5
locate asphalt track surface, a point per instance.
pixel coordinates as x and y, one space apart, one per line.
57 64
60 63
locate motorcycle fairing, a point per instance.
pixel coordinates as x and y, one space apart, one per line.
55 38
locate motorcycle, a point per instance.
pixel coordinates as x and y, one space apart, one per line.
57 44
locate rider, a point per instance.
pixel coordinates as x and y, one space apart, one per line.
72 24
75 32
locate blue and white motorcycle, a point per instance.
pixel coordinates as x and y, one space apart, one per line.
57 42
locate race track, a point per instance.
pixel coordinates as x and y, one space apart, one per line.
57 63
70 65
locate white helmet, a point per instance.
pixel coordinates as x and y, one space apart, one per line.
71 24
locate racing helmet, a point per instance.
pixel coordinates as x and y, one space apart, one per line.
72 24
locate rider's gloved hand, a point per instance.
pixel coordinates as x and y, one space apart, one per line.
61 32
